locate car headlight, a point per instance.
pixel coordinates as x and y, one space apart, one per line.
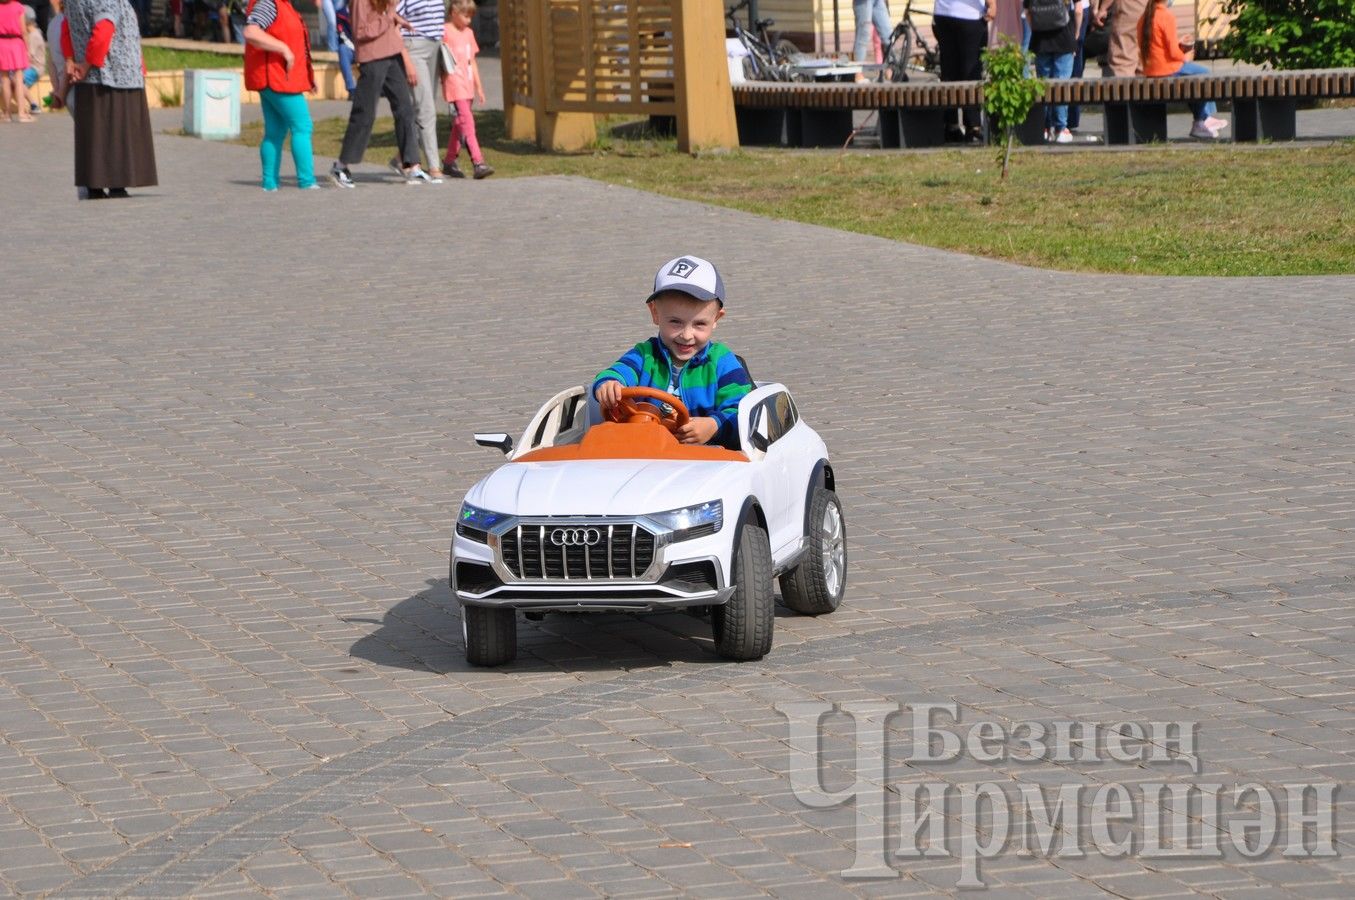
474 523
693 521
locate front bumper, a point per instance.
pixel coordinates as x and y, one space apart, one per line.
684 573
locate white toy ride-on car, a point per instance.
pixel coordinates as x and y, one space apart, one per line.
618 516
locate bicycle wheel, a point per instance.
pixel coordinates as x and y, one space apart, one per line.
895 66
906 61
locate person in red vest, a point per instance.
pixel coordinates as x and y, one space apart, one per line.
278 66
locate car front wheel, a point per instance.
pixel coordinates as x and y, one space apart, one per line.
815 586
743 624
491 635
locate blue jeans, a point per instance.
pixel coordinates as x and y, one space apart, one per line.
329 24
1079 66
329 17
1054 65
283 113
868 13
1201 110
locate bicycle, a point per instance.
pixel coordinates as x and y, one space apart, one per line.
767 59
908 49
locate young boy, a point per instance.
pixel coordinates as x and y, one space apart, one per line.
687 302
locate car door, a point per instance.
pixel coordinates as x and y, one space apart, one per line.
767 432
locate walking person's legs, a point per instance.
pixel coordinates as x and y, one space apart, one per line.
297 113
395 88
361 116
274 133
424 54
466 122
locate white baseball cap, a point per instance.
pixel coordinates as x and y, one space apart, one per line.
691 275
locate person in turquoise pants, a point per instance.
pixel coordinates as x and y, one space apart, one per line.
283 113
278 66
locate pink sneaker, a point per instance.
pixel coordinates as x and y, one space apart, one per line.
1216 125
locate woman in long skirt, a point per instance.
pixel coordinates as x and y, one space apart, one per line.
113 148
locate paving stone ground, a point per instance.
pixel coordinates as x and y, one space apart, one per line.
234 429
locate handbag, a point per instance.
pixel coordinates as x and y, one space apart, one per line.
446 60
1096 43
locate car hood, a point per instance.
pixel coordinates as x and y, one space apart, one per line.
612 487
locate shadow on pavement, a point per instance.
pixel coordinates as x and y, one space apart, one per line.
423 633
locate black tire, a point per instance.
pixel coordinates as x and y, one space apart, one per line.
907 57
816 585
743 624
491 635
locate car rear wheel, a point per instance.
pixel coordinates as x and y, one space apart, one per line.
815 586
491 635
743 624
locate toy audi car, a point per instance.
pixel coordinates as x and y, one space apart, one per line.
592 515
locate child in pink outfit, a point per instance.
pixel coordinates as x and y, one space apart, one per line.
13 60
460 86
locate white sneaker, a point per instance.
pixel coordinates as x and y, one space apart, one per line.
338 173
1202 131
1216 124
1065 137
418 176
1048 135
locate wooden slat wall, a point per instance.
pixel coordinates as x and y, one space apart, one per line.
616 54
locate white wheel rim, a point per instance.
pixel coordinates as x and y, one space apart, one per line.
465 632
834 549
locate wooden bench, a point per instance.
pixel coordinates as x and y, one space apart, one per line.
913 114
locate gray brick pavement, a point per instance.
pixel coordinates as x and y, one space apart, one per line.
231 442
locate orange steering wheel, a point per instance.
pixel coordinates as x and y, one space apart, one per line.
630 408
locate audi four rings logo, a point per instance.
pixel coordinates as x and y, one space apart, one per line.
575 537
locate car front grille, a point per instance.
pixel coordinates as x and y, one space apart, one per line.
620 551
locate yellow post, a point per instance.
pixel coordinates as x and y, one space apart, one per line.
705 101
519 120
554 130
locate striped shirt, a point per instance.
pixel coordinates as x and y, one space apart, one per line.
711 383
426 16
264 14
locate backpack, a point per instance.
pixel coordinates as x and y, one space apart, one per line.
1048 15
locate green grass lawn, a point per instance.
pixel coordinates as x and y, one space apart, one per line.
1165 210
162 59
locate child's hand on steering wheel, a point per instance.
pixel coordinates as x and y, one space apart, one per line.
697 431
608 394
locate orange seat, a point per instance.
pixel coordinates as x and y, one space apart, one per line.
635 440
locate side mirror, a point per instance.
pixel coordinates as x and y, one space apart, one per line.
497 440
